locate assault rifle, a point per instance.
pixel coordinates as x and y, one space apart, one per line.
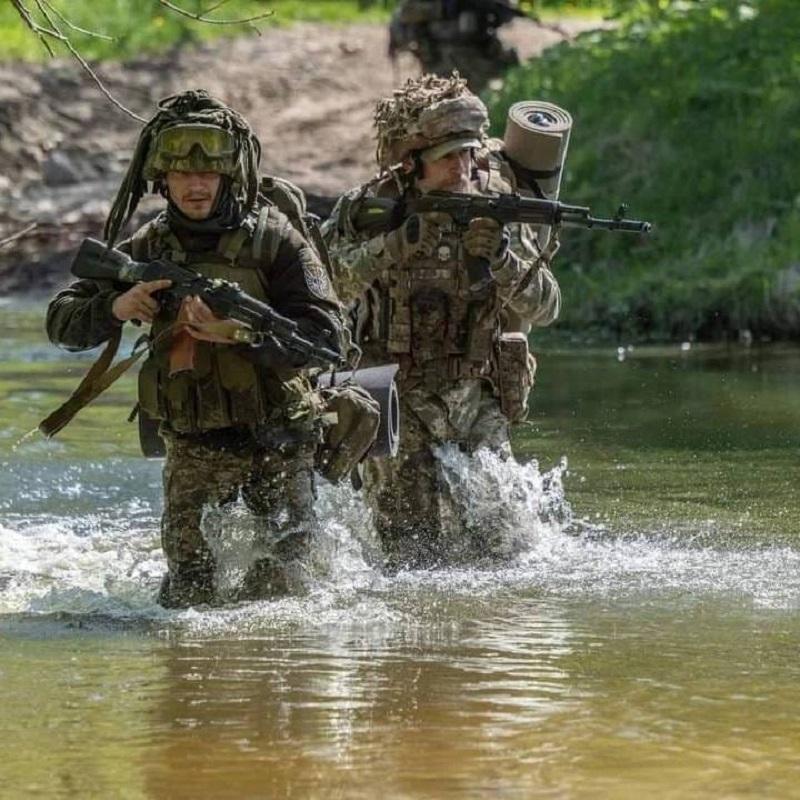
379 215
376 215
260 324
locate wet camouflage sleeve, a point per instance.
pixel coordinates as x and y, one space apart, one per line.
525 284
79 317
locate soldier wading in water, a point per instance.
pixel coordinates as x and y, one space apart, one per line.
458 382
231 426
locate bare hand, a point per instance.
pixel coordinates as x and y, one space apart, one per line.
137 302
203 324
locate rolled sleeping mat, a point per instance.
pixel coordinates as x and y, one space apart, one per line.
380 383
536 141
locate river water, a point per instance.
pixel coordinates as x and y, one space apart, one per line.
646 641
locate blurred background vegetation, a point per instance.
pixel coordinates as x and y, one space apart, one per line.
141 26
689 110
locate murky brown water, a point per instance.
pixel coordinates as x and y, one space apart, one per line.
646 645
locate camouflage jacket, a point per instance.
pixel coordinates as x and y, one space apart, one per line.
526 291
80 318
290 277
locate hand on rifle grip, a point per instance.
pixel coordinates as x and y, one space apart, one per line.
203 324
487 239
416 237
138 302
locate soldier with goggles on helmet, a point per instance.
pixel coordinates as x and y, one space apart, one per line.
233 427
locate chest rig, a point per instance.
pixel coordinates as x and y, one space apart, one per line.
439 329
224 389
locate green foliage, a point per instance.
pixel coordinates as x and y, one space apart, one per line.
142 26
692 116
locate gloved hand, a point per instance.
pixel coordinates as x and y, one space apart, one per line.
416 237
488 239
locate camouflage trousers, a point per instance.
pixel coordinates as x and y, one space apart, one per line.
415 513
207 472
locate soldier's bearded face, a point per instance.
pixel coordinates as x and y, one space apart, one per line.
450 173
194 193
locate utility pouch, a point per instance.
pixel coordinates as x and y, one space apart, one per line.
430 311
351 417
516 369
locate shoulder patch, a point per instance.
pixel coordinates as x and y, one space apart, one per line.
316 278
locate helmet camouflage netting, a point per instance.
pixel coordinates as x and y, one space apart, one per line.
425 112
191 107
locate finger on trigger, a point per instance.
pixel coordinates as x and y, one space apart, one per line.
155 286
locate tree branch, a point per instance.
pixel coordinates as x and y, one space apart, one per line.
18 235
49 32
200 18
74 27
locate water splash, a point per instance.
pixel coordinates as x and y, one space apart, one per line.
83 538
26 437
343 549
505 506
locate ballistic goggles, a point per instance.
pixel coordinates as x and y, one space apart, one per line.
191 148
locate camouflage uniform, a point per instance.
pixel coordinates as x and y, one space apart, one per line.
422 314
447 35
231 427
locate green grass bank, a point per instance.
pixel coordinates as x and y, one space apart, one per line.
694 119
134 27
129 28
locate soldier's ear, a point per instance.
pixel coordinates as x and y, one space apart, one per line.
474 172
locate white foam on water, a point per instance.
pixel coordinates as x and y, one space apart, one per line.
506 506
556 554
82 565
109 561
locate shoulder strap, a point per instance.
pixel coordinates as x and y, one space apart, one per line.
144 242
99 377
260 233
267 235
231 244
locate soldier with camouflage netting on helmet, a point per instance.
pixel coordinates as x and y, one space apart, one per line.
447 35
413 302
232 426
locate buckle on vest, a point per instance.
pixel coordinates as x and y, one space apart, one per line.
453 367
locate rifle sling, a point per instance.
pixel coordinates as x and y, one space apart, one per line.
99 377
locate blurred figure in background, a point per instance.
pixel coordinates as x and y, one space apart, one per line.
455 34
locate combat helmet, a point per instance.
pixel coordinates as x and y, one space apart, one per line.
430 115
191 131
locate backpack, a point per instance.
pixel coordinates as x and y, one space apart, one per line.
288 198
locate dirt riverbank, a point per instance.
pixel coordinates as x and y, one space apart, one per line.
308 90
